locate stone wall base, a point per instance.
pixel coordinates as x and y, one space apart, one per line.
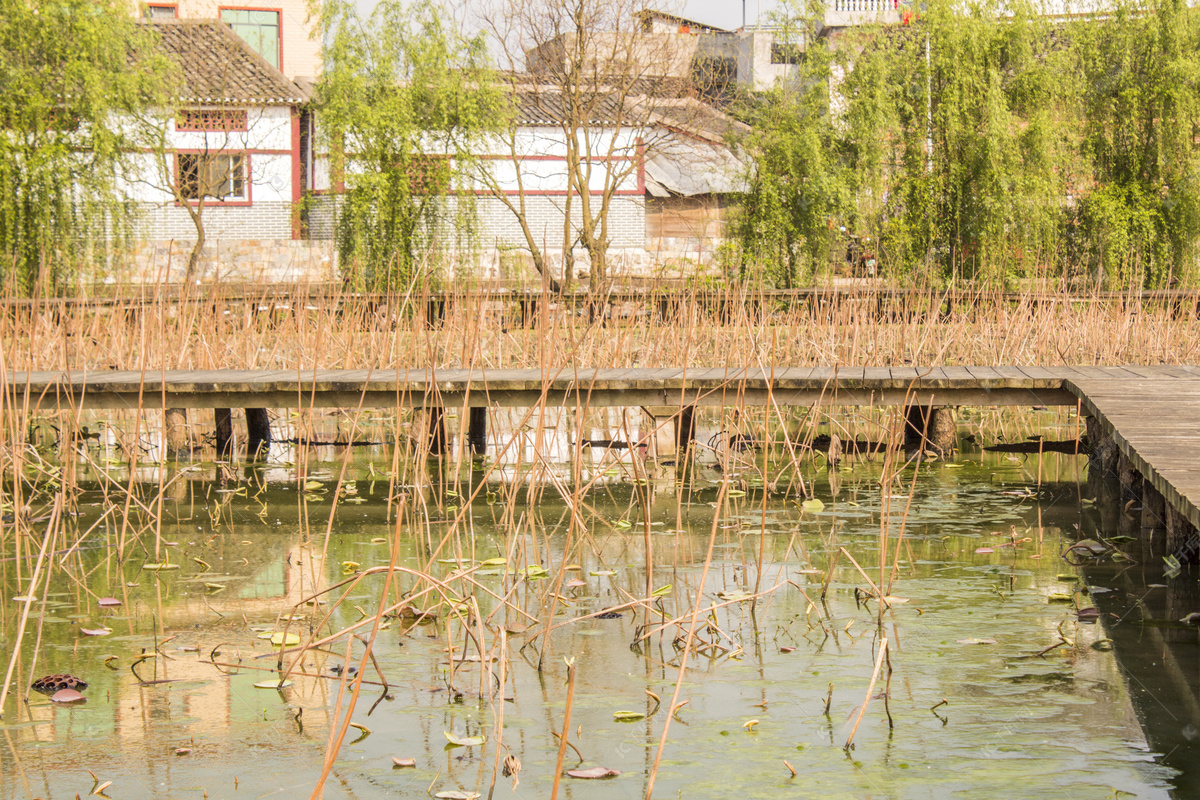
231 260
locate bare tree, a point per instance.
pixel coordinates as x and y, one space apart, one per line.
592 84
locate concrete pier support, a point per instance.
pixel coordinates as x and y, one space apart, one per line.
223 432
175 434
477 431
930 428
258 433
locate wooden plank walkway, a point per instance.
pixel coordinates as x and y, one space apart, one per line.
802 386
1153 411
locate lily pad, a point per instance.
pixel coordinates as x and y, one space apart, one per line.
593 773
455 794
628 716
272 684
464 741
815 506
160 567
95 631
108 602
403 762
67 696
279 638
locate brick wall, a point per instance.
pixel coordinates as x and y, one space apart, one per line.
498 226
262 220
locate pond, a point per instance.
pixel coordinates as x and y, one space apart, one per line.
990 684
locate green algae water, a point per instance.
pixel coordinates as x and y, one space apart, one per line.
991 685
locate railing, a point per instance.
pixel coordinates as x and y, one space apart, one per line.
865 6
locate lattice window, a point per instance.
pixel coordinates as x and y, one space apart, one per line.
219 176
211 119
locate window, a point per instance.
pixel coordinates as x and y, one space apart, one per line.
211 119
159 11
786 54
259 28
219 176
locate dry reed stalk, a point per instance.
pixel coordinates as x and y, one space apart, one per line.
883 646
51 528
685 653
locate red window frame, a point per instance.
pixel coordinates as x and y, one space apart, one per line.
173 6
239 202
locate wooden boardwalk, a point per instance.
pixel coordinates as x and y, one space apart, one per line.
1153 411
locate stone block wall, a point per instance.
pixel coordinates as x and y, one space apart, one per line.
232 260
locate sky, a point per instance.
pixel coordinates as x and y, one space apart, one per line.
719 13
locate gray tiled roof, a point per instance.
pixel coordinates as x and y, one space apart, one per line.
219 67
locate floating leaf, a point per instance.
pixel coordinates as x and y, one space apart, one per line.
624 523
602 572
1059 597
313 486
95 631
984 550
160 567
464 741
662 591
628 716
572 568
108 602
272 684
494 562
593 773
456 795
575 583
67 696
536 572
182 751
403 762
815 506
735 493
280 638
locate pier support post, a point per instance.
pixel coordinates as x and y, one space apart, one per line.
930 428
223 432
258 433
477 431
1102 458
1154 512
685 431
1182 540
175 434
1129 477
435 417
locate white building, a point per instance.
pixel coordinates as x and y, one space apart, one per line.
237 151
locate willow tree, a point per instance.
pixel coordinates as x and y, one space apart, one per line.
799 186
70 71
402 103
1141 224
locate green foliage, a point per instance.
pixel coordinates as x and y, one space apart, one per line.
989 142
799 184
403 102
68 70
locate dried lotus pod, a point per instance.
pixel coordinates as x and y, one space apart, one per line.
53 683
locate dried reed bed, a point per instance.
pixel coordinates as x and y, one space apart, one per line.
310 328
320 328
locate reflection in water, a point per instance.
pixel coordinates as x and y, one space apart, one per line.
778 672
